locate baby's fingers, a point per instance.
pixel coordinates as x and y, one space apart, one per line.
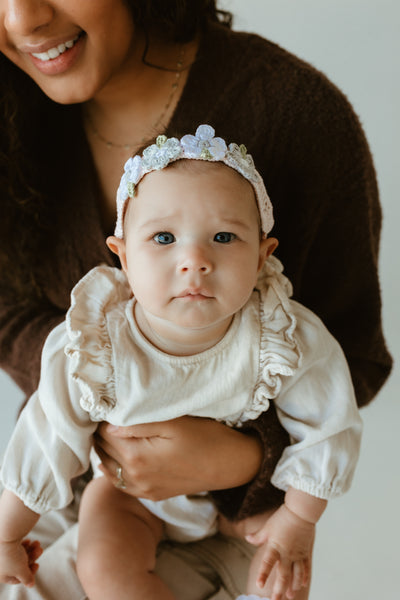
33 550
283 580
269 559
300 578
26 577
301 574
258 538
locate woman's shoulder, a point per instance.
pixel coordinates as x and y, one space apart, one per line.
260 55
288 113
270 78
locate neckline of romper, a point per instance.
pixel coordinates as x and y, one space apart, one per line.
158 354
105 289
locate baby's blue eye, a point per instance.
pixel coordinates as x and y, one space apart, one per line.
164 237
224 237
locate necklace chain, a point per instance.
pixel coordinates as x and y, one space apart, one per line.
174 87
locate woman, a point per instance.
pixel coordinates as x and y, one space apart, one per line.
81 90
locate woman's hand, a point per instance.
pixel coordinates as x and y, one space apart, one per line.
183 456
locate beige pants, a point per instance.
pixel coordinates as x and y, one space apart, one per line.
212 569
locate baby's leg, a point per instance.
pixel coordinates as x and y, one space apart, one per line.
250 526
118 539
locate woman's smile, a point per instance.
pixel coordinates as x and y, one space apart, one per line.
58 58
61 45
55 51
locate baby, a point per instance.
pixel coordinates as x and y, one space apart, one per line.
199 321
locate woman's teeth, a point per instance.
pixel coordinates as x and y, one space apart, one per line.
56 51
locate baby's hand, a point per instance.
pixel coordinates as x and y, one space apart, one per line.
18 561
288 541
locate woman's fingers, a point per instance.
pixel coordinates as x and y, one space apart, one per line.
113 448
143 430
182 456
106 453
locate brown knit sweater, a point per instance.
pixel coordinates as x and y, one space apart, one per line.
308 145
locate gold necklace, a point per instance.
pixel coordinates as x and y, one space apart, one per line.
174 87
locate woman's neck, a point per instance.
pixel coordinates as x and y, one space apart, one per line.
132 108
139 100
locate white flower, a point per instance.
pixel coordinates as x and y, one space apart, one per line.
241 161
159 155
133 170
201 146
204 145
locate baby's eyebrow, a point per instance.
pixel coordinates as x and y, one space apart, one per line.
156 221
221 222
235 223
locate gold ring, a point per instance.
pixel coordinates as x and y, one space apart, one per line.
120 480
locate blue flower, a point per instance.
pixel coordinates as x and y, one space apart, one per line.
204 145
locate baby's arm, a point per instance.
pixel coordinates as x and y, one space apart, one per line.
17 557
287 538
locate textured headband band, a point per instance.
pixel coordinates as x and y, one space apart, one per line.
202 146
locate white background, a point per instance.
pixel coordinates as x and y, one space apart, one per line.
356 43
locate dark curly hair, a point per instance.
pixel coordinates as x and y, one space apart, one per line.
36 134
22 103
180 20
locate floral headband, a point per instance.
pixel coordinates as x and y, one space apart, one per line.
202 146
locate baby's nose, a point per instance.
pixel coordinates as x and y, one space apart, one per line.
196 260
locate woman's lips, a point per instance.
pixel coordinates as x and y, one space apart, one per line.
55 52
59 58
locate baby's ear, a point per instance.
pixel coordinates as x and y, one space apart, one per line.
267 247
117 246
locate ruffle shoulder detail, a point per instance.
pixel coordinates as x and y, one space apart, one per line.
280 354
89 349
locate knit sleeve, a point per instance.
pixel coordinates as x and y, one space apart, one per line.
338 227
24 327
47 244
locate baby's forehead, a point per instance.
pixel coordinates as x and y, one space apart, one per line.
190 187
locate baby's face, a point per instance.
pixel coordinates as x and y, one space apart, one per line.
192 244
